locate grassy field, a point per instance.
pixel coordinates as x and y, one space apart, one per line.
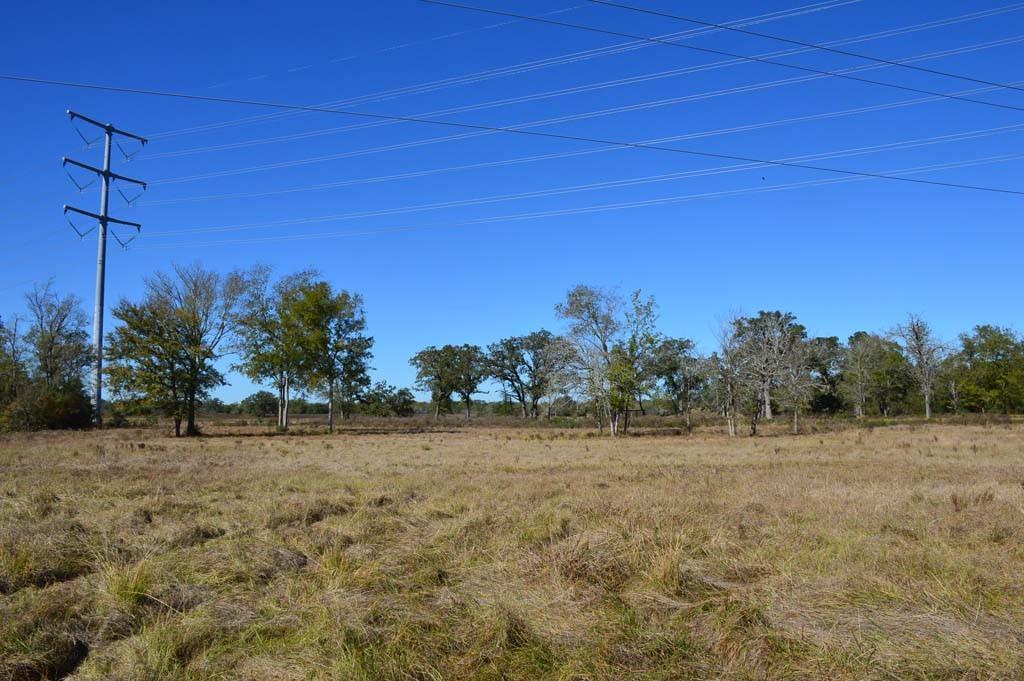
888 553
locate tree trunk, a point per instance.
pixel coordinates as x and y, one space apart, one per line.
330 408
437 410
927 405
469 408
767 397
689 423
190 427
281 399
796 421
287 385
522 403
177 426
640 403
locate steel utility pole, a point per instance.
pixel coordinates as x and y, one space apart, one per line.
104 220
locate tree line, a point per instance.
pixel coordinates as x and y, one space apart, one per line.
613 361
297 334
294 333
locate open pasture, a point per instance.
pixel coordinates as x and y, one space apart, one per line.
513 554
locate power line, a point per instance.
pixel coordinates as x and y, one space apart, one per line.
525 67
385 50
568 154
581 210
598 86
816 46
568 118
489 128
588 54
709 50
593 186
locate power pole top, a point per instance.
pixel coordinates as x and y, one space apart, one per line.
108 127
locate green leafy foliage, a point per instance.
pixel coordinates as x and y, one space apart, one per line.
164 353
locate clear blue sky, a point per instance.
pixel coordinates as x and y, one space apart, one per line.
842 256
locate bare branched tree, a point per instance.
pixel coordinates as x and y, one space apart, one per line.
57 335
764 342
797 381
926 354
594 327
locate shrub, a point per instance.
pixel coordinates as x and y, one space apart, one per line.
48 408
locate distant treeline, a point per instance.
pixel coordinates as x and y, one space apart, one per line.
613 361
306 342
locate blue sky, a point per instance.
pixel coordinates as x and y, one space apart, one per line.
842 256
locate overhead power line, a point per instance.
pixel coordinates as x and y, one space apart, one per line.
816 46
915 143
582 210
709 50
628 108
512 131
525 67
521 160
383 50
591 87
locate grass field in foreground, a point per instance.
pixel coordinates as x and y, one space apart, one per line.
514 554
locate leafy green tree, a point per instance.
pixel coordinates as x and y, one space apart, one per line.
300 405
527 366
336 350
270 338
215 405
681 372
435 373
639 350
261 404
892 379
825 357
624 382
42 407
990 370
164 353
42 369
614 347
470 370
858 370
383 399
450 370
146 364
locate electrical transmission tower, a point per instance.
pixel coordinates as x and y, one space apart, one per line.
104 220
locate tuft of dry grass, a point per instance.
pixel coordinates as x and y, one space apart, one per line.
493 553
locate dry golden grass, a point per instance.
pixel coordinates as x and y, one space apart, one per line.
514 554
